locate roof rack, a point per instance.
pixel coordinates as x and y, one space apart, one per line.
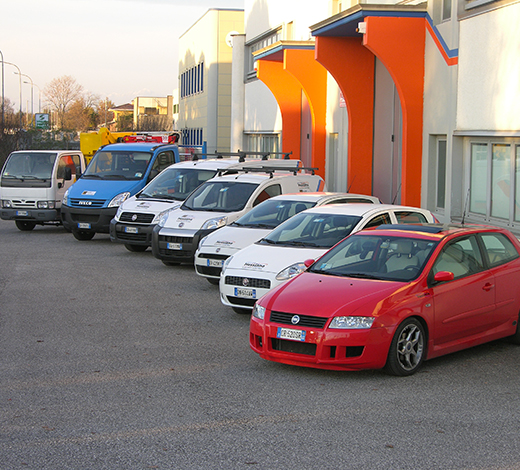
265 169
241 154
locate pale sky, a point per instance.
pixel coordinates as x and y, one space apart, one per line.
117 49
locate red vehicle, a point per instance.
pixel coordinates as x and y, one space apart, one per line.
393 297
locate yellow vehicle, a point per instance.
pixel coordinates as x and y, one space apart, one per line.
91 141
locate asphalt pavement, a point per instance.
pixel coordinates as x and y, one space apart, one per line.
111 360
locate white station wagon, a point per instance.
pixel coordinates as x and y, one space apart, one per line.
280 255
214 249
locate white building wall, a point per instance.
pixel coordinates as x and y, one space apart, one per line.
489 71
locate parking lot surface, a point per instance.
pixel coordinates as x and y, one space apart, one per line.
111 360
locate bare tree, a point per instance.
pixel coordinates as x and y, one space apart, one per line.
60 94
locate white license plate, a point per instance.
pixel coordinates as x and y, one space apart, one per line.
174 246
246 293
215 263
293 335
131 230
22 213
84 225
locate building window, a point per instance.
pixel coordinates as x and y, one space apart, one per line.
193 136
446 10
263 143
441 173
256 45
495 181
192 81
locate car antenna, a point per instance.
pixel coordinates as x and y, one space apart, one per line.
351 183
396 193
465 207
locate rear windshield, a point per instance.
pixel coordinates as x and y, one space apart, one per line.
220 196
176 183
118 165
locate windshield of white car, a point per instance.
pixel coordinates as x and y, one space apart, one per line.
220 196
271 213
119 164
29 165
176 183
376 257
313 230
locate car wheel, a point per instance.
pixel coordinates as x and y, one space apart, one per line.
407 349
241 311
136 248
83 235
515 339
170 263
215 282
24 226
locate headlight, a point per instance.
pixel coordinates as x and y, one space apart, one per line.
258 311
6 203
226 263
164 217
119 199
291 271
163 214
213 224
45 204
65 198
351 323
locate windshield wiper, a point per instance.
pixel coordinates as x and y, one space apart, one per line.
297 243
361 275
93 175
269 242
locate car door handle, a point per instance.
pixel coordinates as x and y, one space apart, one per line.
487 287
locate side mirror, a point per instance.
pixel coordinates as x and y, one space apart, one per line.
308 262
67 173
443 276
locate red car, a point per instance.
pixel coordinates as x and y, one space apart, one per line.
393 297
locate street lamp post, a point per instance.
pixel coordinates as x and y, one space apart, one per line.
32 90
3 105
20 77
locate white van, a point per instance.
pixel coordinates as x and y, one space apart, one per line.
137 216
222 200
33 183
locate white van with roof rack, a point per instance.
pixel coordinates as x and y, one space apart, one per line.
137 216
223 199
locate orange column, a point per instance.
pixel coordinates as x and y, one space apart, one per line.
352 66
399 43
313 79
287 92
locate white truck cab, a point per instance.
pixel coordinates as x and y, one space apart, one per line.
33 183
135 219
223 199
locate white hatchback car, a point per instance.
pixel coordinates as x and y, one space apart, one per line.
280 255
214 249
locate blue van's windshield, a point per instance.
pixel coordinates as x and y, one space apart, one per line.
121 164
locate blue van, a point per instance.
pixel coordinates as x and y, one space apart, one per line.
116 172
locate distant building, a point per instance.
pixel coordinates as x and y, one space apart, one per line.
205 56
123 118
153 113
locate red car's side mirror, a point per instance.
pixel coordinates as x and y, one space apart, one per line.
308 262
443 276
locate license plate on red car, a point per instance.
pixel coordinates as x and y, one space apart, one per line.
293 335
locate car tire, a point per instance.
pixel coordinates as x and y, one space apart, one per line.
136 248
83 235
170 263
515 339
407 350
24 225
241 311
215 282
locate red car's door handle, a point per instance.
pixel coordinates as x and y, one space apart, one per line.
488 286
